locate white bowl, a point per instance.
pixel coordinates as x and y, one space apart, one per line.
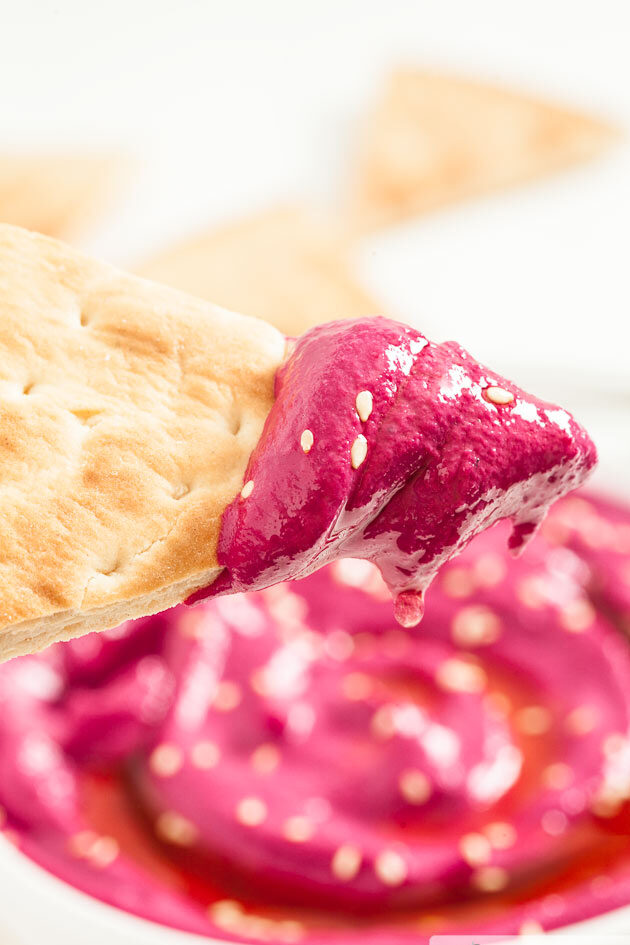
44 910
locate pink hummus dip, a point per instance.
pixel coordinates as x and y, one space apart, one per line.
291 766
288 765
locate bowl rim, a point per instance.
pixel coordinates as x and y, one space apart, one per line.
97 918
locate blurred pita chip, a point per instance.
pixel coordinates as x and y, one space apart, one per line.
58 195
283 265
435 139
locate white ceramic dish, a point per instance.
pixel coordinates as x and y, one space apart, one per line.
46 911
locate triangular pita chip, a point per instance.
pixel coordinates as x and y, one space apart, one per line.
435 139
55 194
128 412
282 265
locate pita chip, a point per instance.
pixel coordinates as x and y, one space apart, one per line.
436 139
283 266
128 413
57 195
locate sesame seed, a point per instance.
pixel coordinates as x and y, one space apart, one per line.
100 851
251 811
533 720
582 720
530 593
577 616
557 776
82 842
228 696
174 828
607 803
498 395
455 675
289 931
346 862
358 451
258 682
382 723
306 440
103 852
614 744
364 404
390 868
257 927
458 582
265 758
298 829
414 786
226 913
247 489
166 760
553 905
475 849
475 626
300 719
12 837
501 835
339 645
195 625
490 879
489 570
205 755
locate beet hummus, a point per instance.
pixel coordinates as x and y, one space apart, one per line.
384 446
291 766
288 765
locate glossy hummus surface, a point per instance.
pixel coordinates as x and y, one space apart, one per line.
384 446
292 766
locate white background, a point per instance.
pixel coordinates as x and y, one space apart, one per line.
231 105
